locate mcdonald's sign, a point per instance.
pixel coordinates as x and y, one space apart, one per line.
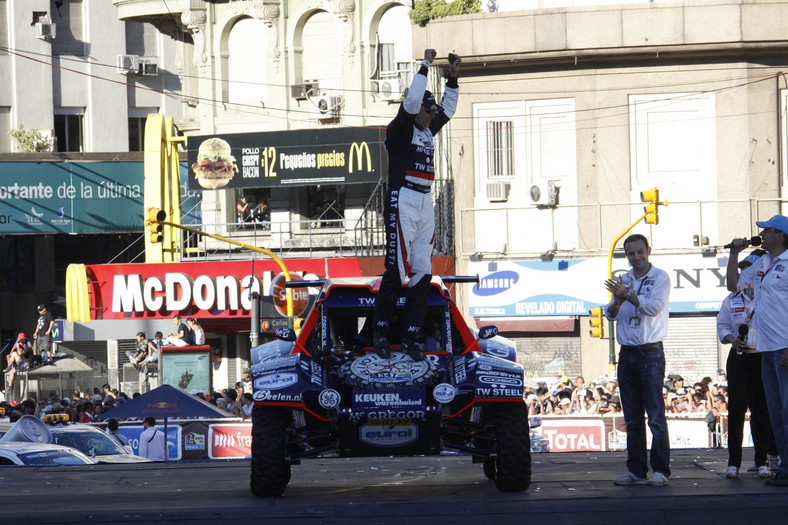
303 157
359 150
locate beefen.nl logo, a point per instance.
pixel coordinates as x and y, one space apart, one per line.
496 283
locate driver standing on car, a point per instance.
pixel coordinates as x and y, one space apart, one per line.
408 214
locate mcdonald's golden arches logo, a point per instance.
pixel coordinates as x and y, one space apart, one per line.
359 149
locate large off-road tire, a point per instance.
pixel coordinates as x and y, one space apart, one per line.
270 468
489 468
513 447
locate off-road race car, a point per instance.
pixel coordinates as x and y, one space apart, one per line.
323 391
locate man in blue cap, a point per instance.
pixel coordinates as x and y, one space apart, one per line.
769 278
408 211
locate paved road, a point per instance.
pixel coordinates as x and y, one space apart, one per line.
567 488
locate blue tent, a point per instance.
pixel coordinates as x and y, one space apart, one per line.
164 402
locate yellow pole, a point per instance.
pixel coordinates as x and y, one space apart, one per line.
248 247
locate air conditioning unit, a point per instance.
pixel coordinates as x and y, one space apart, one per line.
148 68
389 89
498 191
545 193
304 91
128 64
46 30
326 106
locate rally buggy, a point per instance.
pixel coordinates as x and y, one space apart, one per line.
323 391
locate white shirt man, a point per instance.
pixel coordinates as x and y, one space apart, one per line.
152 442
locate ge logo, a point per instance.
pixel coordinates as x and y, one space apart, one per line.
329 398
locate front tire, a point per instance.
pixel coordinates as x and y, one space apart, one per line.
513 447
270 468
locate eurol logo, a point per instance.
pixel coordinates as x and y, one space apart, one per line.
496 283
275 381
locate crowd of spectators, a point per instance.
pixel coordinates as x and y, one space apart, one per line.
84 407
578 397
709 396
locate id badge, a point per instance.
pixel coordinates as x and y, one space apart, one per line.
634 322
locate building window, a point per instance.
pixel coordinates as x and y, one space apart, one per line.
3 27
142 39
500 149
5 127
136 134
69 132
70 38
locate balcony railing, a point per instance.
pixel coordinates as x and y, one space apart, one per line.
589 229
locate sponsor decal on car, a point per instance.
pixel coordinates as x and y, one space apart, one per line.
444 393
329 398
499 381
276 381
387 414
366 400
288 361
267 395
378 436
505 393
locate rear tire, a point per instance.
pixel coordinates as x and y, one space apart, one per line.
270 468
489 468
513 447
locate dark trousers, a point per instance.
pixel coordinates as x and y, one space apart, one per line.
640 377
745 389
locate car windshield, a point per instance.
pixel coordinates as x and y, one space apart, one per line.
89 443
51 457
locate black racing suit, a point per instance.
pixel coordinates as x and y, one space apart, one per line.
408 212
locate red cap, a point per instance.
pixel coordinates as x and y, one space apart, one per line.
21 336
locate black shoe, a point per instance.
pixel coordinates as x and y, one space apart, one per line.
414 349
382 346
777 480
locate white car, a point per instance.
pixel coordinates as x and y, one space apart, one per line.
93 442
21 453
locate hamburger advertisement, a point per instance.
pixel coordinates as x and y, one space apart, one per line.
215 164
287 158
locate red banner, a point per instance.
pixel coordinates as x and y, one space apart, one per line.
230 441
212 289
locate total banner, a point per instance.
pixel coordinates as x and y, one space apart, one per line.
572 287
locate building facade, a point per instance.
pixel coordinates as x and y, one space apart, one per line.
567 113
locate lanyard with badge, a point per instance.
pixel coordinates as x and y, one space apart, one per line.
760 286
634 321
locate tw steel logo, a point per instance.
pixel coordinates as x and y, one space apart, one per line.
359 150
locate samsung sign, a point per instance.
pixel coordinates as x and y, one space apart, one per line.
496 283
572 287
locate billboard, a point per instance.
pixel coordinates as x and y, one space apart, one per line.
304 157
79 197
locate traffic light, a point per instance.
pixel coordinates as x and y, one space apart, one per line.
596 323
155 227
651 197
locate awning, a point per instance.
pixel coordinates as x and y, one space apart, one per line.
531 324
62 366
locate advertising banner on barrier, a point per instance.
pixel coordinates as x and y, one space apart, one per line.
229 440
214 439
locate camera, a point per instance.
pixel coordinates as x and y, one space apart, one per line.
452 58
